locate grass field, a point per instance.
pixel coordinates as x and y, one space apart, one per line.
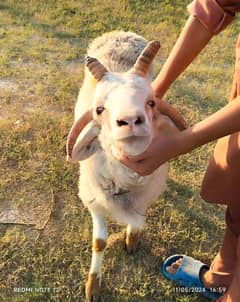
42 46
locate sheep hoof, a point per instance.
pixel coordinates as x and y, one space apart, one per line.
92 289
132 241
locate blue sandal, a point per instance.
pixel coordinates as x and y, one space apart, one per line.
188 276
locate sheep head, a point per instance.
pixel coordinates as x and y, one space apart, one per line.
122 111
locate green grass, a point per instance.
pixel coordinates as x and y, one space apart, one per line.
41 68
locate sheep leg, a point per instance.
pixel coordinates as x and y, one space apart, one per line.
93 284
132 238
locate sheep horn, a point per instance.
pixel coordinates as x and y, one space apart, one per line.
167 109
75 131
95 67
145 59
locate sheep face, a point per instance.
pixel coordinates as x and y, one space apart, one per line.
123 108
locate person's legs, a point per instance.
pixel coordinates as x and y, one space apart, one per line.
221 180
222 268
221 185
225 268
233 293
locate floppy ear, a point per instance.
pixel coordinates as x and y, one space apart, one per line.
87 142
82 138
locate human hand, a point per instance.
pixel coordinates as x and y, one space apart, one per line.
166 144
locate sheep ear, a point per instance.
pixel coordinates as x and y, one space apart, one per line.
81 136
87 142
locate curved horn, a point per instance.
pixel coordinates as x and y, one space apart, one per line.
95 67
167 109
75 131
145 59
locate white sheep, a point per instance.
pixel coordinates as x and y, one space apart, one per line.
114 116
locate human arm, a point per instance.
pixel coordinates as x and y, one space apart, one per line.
164 146
207 18
182 54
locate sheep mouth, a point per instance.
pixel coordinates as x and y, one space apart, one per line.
132 145
133 138
130 134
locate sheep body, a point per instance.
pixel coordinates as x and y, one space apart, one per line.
109 188
105 185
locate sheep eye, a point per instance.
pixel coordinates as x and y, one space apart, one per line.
99 110
151 103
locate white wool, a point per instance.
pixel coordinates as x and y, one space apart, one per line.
105 185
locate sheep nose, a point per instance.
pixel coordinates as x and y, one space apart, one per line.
131 121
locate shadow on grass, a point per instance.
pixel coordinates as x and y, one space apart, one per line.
129 270
139 278
199 210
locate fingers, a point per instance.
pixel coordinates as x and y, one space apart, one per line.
143 167
137 166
